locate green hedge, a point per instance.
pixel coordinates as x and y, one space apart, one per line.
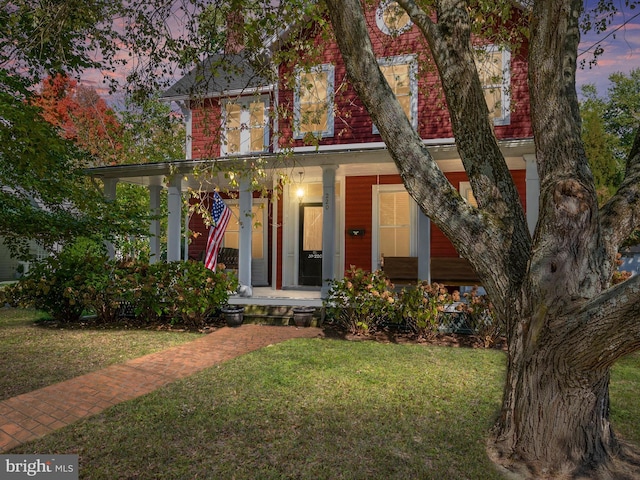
83 280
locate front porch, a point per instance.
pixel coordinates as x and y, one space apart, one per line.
267 296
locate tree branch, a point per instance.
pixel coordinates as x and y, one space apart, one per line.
621 214
493 238
607 327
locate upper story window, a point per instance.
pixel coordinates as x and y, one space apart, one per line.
313 102
492 64
392 19
401 75
245 126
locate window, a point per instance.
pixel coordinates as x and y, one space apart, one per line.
400 73
246 129
394 220
492 64
232 233
466 192
392 19
313 99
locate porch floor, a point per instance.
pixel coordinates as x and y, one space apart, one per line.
271 297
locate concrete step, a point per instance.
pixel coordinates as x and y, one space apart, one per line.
276 315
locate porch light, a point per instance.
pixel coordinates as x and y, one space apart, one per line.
300 189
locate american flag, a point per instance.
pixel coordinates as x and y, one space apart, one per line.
220 215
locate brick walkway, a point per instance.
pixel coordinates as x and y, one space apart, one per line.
35 414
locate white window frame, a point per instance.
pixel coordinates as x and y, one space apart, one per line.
245 103
384 28
297 113
505 101
413 84
375 222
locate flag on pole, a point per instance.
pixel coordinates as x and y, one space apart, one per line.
220 215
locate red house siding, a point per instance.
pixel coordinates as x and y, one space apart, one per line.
358 214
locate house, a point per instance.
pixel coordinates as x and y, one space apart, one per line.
312 187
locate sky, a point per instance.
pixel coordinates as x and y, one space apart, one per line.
621 49
621 44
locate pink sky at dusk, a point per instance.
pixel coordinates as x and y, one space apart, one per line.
621 50
621 54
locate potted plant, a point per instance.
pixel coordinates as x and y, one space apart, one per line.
302 316
233 315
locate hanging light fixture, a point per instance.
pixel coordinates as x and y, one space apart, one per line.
300 189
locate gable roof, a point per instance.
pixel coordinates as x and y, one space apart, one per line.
220 74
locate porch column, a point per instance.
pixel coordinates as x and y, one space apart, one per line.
424 247
328 226
244 243
154 227
110 194
174 202
533 191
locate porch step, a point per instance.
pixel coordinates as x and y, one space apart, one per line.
276 315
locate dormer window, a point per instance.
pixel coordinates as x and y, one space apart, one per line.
313 102
493 64
245 126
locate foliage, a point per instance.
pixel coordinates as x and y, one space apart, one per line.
52 285
600 145
423 305
362 302
365 302
81 279
190 292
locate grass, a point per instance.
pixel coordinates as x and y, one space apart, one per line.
33 355
321 409
316 409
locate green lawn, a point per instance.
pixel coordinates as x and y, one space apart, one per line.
33 355
316 409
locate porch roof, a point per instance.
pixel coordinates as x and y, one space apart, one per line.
366 159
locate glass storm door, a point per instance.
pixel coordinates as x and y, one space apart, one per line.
310 264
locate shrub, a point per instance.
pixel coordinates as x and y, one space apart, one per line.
484 321
362 302
54 284
191 292
422 307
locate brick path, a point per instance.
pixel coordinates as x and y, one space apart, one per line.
35 414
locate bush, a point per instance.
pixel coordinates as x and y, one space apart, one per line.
81 279
422 307
362 302
191 292
54 284
484 321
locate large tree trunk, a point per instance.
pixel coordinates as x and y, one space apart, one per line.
565 327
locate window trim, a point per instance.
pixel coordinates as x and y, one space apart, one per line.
298 134
505 88
382 25
376 190
410 60
244 102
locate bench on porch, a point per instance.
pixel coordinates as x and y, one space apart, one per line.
453 271
228 256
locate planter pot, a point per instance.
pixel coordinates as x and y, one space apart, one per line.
233 316
302 316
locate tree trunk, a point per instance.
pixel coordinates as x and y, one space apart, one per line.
555 415
565 329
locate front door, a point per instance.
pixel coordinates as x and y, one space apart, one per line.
310 264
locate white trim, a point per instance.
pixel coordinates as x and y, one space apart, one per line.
330 70
366 146
505 103
375 228
411 61
245 103
225 93
384 28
